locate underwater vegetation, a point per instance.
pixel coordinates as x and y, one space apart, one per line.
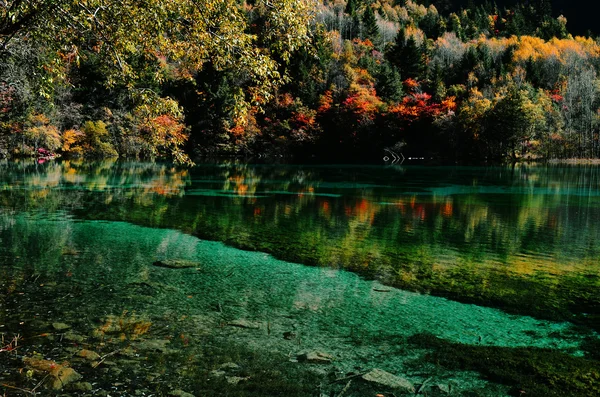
529 371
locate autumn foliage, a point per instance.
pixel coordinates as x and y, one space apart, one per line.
332 80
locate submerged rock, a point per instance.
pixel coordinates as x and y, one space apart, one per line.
386 379
244 324
60 326
157 345
60 376
80 386
180 393
89 355
127 327
234 380
73 337
443 388
229 366
315 357
176 263
216 373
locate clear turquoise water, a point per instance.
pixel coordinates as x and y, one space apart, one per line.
351 261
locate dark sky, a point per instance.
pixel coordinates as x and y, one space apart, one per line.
582 15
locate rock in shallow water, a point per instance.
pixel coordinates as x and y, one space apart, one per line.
180 393
176 264
73 337
80 386
60 326
234 380
60 376
383 378
241 323
229 366
155 345
216 373
315 357
89 355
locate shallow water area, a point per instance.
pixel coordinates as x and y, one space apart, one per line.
79 272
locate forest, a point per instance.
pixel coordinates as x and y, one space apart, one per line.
468 82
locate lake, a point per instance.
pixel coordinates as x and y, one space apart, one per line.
233 279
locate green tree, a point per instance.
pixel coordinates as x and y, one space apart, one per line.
96 141
407 56
185 34
351 7
370 28
455 26
510 123
395 53
388 83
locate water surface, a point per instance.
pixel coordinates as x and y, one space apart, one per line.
350 261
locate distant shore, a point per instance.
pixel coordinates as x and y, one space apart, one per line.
574 161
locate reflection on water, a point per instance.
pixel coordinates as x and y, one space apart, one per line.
427 229
523 239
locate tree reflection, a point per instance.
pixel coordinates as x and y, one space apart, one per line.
486 235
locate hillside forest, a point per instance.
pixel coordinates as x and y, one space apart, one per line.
332 80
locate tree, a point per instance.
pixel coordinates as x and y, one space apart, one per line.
406 55
39 134
510 123
351 7
352 25
370 28
430 24
186 33
456 26
96 140
388 83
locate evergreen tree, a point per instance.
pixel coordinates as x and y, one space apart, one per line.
413 65
517 22
395 53
351 7
389 83
370 28
430 25
352 28
455 25
551 28
438 84
542 9
407 56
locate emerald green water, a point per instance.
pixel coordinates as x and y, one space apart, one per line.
366 264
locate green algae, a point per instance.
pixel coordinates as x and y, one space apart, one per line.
528 371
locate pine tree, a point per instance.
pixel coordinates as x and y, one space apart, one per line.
389 83
351 7
395 53
406 55
370 28
413 64
352 28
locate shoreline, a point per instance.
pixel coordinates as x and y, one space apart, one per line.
575 161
